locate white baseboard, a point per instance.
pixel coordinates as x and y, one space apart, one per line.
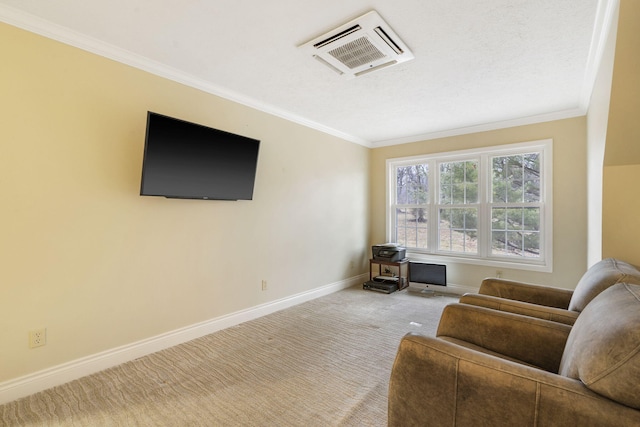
60 374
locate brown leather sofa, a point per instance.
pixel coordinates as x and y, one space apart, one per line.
551 303
491 368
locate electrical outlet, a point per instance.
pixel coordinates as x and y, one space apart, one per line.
499 274
37 338
264 285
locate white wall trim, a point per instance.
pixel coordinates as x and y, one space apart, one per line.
606 19
34 24
60 374
485 127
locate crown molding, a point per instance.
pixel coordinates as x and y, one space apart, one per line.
23 20
31 23
504 124
604 23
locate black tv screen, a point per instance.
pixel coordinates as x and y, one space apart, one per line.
189 161
429 274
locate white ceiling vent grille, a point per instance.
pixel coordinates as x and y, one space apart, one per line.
360 46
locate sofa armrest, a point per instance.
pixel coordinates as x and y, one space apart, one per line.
526 292
527 309
533 341
435 382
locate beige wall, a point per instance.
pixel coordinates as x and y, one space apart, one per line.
569 196
621 222
83 255
99 266
623 131
621 211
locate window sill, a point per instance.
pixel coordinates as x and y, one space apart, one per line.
485 262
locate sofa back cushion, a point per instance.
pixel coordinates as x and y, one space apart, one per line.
599 277
603 348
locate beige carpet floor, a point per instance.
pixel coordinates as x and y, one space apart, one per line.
325 362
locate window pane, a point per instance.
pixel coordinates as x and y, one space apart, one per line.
472 193
514 243
498 242
412 184
459 182
514 191
515 232
457 194
514 167
470 242
445 194
498 219
444 243
531 244
422 237
457 172
411 227
446 173
401 217
458 230
401 237
400 226
514 219
405 218
471 220
412 191
532 191
531 219
516 178
471 171
498 184
445 218
532 177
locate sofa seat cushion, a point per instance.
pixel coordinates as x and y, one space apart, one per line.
603 348
600 276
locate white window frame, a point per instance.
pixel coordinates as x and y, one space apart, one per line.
544 263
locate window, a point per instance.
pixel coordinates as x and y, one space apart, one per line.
491 205
515 205
412 195
458 207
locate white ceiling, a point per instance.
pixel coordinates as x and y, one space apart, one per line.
479 64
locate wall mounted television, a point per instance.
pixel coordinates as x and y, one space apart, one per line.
185 160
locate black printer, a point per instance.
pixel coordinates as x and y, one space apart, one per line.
390 252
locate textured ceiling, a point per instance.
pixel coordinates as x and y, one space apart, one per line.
479 64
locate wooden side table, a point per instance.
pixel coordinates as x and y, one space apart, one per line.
403 279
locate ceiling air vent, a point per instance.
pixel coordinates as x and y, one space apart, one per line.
358 47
